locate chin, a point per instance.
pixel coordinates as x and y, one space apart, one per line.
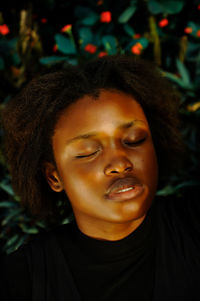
130 214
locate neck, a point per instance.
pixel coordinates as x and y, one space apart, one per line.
110 231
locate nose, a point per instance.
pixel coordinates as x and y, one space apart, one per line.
118 164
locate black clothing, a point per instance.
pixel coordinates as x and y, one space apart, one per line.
160 260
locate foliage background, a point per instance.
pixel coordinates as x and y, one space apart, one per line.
38 36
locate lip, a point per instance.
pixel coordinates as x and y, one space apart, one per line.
124 189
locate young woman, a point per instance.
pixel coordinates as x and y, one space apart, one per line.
100 139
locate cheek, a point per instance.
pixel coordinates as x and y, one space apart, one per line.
152 167
145 163
81 182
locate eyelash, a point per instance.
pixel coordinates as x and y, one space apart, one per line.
135 143
85 156
126 142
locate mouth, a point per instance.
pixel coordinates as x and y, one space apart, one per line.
124 189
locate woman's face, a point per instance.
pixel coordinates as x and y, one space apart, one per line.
105 158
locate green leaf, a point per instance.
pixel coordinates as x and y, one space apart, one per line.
173 6
110 44
183 72
12 216
86 15
18 243
40 224
16 59
144 42
155 7
12 240
127 14
90 19
13 43
27 229
72 61
193 48
195 27
129 30
65 45
2 65
50 60
188 184
167 190
7 188
66 221
85 35
165 6
175 79
7 204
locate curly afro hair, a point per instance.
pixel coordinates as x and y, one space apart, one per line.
29 120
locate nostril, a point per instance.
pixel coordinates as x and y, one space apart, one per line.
128 168
118 165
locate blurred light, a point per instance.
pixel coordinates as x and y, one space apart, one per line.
188 30
4 30
137 48
163 22
43 20
99 2
106 17
91 48
55 48
102 53
67 28
137 36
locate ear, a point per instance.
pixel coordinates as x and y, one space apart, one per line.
52 177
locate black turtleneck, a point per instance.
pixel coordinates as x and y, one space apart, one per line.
111 270
101 270
160 260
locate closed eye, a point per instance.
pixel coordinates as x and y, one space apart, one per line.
85 156
135 143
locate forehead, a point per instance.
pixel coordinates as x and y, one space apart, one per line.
109 110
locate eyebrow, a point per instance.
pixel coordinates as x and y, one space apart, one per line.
93 134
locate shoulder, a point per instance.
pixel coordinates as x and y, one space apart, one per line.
17 267
181 211
15 276
186 199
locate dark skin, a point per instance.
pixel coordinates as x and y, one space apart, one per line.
120 147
